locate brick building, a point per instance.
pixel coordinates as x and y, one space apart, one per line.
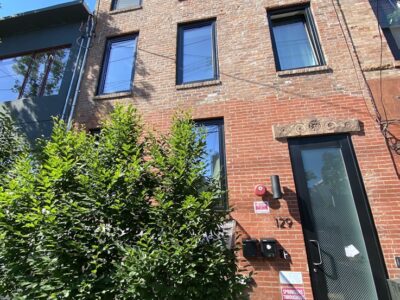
284 87
379 57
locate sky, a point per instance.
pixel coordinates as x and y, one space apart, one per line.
11 7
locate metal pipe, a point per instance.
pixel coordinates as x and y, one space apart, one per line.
72 81
69 123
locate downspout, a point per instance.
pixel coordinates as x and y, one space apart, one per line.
81 71
72 80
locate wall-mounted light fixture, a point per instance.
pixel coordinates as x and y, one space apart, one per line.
276 187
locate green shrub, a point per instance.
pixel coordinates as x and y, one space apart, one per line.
118 216
12 143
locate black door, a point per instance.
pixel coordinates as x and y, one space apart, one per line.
344 257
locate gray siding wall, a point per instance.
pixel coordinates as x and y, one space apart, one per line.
34 115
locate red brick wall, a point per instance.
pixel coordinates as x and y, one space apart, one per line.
380 68
251 97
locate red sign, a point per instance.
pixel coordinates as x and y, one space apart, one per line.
293 293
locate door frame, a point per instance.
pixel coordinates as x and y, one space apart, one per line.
368 228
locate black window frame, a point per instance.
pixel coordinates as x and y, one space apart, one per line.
179 53
105 63
223 176
289 14
394 49
49 62
115 2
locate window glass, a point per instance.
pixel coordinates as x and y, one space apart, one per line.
294 38
119 67
12 73
388 14
197 54
392 35
293 44
396 36
215 158
121 4
37 72
59 61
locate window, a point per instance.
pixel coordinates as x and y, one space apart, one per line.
388 14
215 159
197 54
95 131
32 75
294 39
118 66
122 4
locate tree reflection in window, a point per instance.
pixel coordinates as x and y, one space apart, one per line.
215 158
56 71
12 72
36 74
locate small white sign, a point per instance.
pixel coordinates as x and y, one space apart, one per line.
286 277
261 207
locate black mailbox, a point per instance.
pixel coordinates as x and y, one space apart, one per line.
250 247
268 248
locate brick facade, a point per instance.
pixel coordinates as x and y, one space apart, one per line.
380 71
252 96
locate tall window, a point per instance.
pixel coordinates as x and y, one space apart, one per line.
119 65
294 39
197 55
388 14
32 75
215 159
121 4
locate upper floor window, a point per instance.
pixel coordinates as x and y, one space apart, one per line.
294 39
122 4
34 74
197 54
388 14
119 65
215 158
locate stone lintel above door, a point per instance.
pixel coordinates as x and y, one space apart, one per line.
315 126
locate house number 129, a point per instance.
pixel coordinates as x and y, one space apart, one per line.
283 222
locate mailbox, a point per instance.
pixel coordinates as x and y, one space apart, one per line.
250 248
268 247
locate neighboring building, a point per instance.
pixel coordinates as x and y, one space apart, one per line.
283 90
41 55
378 54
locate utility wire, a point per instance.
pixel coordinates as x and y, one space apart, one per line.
380 59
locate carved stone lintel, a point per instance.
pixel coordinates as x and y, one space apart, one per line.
315 126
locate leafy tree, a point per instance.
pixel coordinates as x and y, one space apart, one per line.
118 216
12 143
182 254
